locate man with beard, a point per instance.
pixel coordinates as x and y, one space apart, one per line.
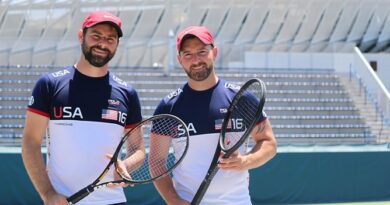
84 111
201 103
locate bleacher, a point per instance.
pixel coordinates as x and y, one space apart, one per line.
44 32
300 49
308 107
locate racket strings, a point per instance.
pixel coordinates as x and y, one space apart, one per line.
240 121
160 136
243 114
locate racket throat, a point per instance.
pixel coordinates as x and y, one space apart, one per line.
90 188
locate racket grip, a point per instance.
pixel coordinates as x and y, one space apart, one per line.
79 195
204 186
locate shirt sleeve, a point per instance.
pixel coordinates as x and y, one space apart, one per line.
161 108
40 101
134 115
251 98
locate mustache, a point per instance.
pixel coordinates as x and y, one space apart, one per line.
198 64
100 48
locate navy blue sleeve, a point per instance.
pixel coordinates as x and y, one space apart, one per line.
40 101
161 108
134 114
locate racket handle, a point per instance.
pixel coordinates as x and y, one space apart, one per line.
204 186
79 195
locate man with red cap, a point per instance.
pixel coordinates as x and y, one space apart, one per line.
83 110
201 103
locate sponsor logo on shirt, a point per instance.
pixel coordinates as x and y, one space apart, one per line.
223 110
113 102
63 124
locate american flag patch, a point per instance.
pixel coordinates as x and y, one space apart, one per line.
229 124
218 124
108 114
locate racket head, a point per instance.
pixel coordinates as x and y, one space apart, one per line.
242 115
165 138
148 159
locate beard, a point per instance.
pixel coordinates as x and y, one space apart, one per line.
201 74
96 60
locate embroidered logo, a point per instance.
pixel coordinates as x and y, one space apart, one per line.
113 102
31 101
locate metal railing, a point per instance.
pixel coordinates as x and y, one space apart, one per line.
372 88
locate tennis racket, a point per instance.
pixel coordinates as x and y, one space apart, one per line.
243 114
154 160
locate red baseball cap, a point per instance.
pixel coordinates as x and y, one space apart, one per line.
97 17
200 32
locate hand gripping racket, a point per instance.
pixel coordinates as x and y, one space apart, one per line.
243 114
153 159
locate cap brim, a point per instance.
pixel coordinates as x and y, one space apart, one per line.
196 35
117 28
